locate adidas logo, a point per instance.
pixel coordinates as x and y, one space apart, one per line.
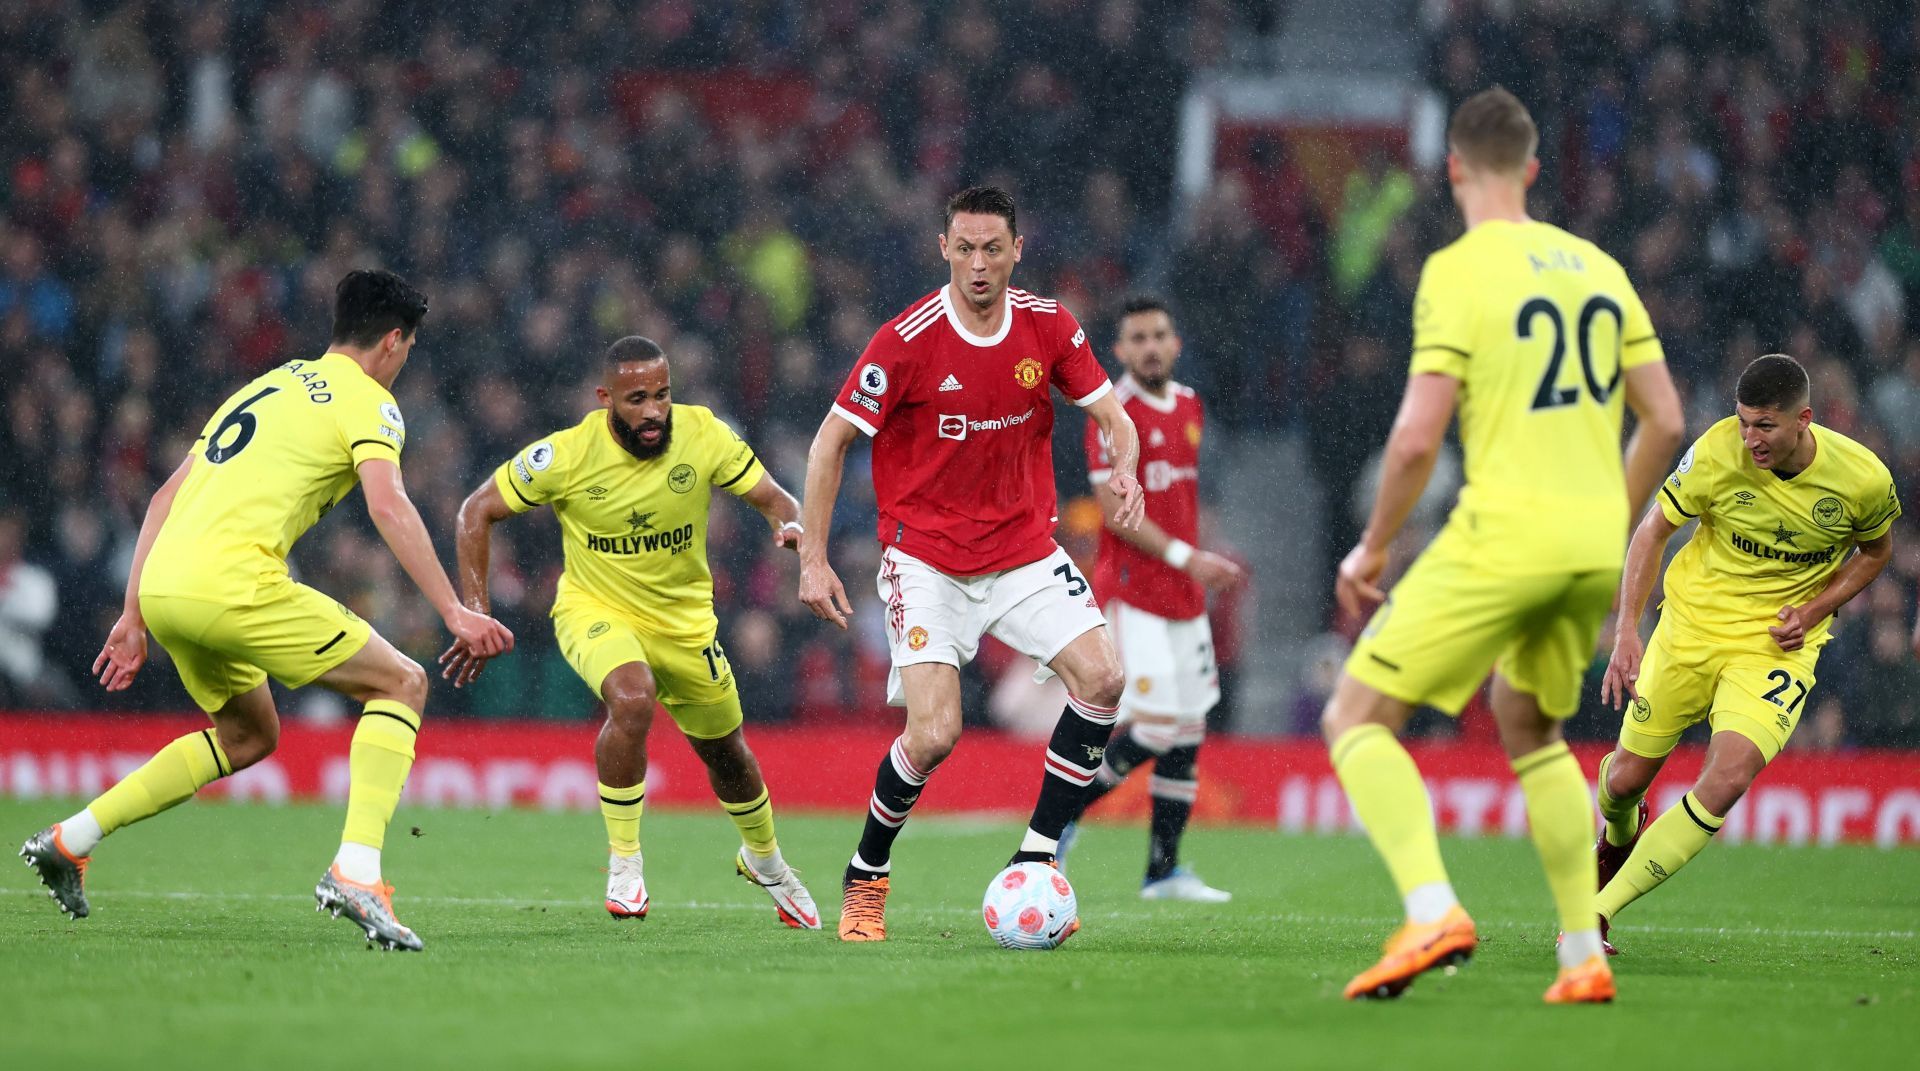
950 383
1156 439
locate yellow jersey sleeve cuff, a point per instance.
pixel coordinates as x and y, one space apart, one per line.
1646 349
1443 359
516 499
1677 514
374 447
744 479
1879 528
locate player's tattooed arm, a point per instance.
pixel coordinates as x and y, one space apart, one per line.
1124 451
125 651
1849 580
820 587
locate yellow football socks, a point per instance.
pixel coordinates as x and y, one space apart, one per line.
379 760
1561 821
1669 842
171 777
1388 795
621 808
1621 812
755 819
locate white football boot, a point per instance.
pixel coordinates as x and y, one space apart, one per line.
791 900
1183 884
626 887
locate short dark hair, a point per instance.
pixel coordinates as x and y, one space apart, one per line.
634 349
1492 129
368 304
1139 303
1775 381
984 201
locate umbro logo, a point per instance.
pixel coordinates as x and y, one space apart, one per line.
949 383
1743 498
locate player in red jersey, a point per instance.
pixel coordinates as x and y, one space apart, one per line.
954 392
1154 583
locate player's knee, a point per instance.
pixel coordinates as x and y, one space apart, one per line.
1107 684
1719 790
928 746
248 745
410 684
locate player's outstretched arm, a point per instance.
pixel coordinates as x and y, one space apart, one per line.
405 533
1849 580
125 651
820 589
1218 573
1636 587
780 509
1412 448
473 550
1124 450
1659 427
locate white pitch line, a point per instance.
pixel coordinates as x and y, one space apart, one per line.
1293 919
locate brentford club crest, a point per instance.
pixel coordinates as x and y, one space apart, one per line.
1028 372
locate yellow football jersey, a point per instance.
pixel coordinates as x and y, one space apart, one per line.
276 456
1538 326
634 532
1765 542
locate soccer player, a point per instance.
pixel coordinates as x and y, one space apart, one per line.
210 581
632 484
1155 582
955 393
1783 505
1534 335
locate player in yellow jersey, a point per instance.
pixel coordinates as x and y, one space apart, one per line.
1535 336
210 581
1794 520
631 485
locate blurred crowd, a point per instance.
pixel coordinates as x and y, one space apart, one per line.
757 186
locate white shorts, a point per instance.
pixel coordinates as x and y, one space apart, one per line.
1171 678
1036 609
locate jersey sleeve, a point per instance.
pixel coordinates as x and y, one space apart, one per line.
730 463
536 475
1076 371
1639 345
874 388
1685 494
1876 508
371 427
1442 321
1099 459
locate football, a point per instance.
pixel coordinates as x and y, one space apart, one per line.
1030 906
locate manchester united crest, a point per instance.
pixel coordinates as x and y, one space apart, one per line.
916 638
1028 373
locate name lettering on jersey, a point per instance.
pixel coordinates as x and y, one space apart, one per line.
1079 339
391 433
1804 557
1162 475
520 470
1829 513
1558 260
1029 372
672 541
316 387
867 403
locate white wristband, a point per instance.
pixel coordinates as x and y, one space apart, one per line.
1178 553
795 525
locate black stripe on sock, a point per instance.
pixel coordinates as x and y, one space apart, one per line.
729 807
751 459
328 646
623 803
1697 820
395 717
215 750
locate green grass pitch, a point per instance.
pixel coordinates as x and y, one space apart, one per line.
204 950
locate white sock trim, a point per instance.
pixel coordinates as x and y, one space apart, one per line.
1430 902
861 864
1579 946
81 833
358 862
1034 842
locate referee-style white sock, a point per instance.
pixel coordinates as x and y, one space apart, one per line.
81 834
1431 902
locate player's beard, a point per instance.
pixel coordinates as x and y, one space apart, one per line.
629 435
1155 381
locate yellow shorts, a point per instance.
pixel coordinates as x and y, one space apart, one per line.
692 678
292 632
1684 679
1448 622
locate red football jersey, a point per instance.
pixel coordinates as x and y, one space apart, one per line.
962 428
1169 430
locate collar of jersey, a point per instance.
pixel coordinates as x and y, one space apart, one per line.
983 341
1158 404
1819 451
